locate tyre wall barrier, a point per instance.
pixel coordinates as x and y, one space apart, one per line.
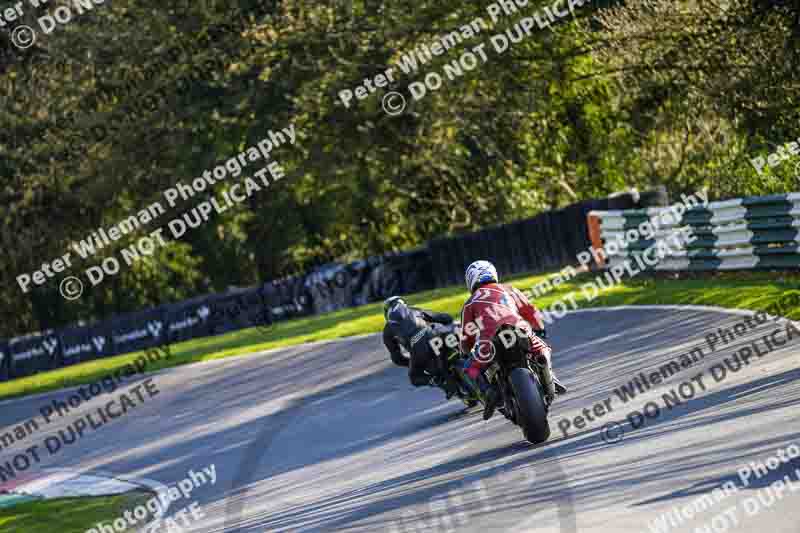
753 233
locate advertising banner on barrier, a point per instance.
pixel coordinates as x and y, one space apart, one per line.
101 341
30 355
137 331
241 309
188 320
292 298
81 344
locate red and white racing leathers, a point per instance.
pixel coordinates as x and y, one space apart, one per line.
494 305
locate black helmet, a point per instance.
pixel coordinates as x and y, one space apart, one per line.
390 302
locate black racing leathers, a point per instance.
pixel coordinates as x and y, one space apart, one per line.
414 329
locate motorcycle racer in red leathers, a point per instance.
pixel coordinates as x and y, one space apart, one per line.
491 306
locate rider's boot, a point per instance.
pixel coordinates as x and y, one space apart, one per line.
489 391
552 385
548 379
445 378
492 395
450 387
560 388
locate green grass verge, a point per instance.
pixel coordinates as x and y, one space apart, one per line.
755 291
67 515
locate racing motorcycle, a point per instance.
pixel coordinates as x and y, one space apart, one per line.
523 399
518 377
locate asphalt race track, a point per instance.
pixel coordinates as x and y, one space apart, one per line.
332 437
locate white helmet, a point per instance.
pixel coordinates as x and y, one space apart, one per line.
480 272
389 303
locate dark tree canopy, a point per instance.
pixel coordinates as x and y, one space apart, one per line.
104 113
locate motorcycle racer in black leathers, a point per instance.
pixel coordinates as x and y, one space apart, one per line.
413 329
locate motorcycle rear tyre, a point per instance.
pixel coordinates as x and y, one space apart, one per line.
531 410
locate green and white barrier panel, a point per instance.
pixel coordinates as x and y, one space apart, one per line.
759 232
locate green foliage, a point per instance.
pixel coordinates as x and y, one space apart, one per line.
69 515
109 110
